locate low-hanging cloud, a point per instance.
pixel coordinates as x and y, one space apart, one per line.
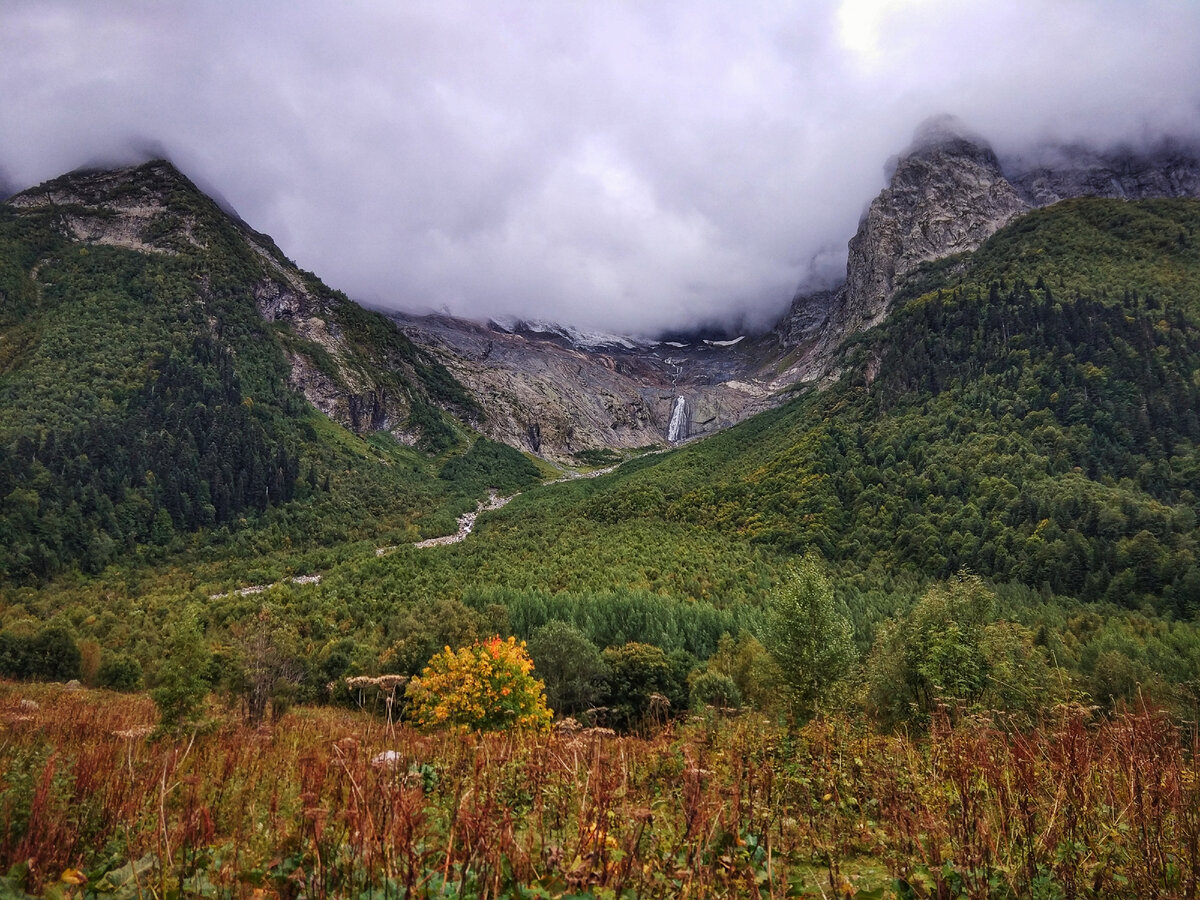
630 166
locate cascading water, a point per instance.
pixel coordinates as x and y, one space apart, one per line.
677 430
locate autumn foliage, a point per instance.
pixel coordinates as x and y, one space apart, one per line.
327 802
485 686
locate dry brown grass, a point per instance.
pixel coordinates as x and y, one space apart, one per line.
727 808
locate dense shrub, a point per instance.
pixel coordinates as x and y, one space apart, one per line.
182 677
639 674
714 689
486 686
571 666
120 672
50 654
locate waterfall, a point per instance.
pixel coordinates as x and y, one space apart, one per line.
677 430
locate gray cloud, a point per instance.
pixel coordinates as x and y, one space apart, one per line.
626 165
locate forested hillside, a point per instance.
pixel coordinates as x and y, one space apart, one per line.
1026 414
1029 413
145 395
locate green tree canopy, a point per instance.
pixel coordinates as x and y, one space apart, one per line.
808 635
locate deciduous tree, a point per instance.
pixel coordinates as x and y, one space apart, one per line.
488 685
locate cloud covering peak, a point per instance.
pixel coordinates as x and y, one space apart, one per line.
629 166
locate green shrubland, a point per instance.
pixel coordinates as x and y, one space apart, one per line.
1022 429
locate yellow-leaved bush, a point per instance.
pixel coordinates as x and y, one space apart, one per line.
486 686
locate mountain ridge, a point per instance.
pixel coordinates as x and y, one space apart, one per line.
556 391
947 194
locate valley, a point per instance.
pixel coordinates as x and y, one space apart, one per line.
803 602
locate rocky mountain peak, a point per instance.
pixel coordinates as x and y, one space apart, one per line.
152 207
943 135
946 194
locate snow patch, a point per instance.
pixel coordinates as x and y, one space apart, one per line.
577 337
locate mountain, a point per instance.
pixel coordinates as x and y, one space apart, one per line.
1029 412
348 363
559 393
947 194
556 392
155 359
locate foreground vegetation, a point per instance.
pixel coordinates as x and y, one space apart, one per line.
330 802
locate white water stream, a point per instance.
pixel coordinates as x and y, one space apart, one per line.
678 418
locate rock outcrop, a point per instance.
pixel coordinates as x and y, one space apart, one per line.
128 208
557 393
947 194
344 391
1058 173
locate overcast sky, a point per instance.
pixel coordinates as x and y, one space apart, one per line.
631 166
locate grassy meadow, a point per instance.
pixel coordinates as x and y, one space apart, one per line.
330 802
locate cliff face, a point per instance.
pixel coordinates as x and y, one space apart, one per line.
1063 172
947 194
130 208
556 393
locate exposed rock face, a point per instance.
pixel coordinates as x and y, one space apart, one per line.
1062 172
807 317
555 393
349 396
948 194
122 208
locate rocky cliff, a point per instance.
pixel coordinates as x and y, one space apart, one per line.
947 194
1057 173
557 392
